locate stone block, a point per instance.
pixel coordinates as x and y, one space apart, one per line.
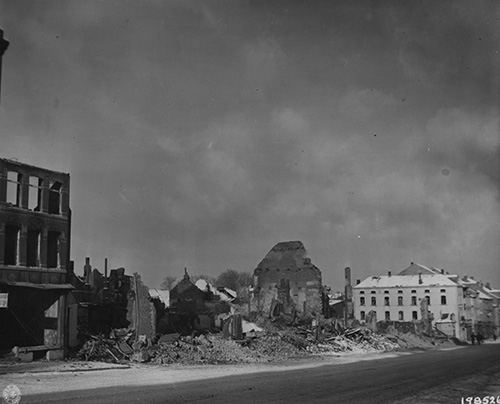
25 356
55 355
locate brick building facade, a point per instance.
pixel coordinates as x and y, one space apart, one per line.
35 223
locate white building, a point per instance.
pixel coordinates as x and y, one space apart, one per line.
398 298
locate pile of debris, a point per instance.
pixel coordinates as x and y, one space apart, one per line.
121 346
330 337
203 349
410 340
357 340
271 340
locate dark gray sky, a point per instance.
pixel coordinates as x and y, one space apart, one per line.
200 134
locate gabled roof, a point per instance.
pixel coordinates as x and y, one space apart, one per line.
224 294
395 281
287 255
415 269
483 292
163 295
484 296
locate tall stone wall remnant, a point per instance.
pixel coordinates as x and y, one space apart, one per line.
287 275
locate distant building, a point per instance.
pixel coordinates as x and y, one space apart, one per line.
35 223
481 308
223 294
456 306
399 298
286 275
194 309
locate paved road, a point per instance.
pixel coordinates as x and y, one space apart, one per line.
377 381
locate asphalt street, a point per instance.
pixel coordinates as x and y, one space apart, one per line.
376 381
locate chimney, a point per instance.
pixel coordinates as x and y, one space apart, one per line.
358 281
442 271
488 285
105 268
3 47
87 270
420 278
4 44
347 273
389 273
348 309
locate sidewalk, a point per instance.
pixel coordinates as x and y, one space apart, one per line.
42 366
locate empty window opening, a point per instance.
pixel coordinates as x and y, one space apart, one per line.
34 193
443 290
374 301
400 316
427 291
400 300
400 291
55 198
362 301
414 300
33 250
11 253
53 249
414 315
428 300
386 291
362 316
443 299
386 300
387 315
14 188
414 291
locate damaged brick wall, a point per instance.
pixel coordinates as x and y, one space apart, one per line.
287 267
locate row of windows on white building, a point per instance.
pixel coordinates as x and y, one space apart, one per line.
387 302
401 317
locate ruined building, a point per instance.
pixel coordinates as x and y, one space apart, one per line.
102 302
35 223
287 277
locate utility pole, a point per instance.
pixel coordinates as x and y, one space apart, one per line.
4 44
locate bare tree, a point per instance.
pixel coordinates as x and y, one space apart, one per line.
168 282
233 279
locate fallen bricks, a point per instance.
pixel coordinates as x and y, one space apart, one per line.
277 342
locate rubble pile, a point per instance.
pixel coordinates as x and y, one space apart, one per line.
276 347
279 340
118 347
410 340
358 340
203 349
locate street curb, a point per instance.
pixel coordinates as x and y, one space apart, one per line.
65 370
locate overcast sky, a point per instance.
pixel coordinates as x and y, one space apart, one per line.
200 134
